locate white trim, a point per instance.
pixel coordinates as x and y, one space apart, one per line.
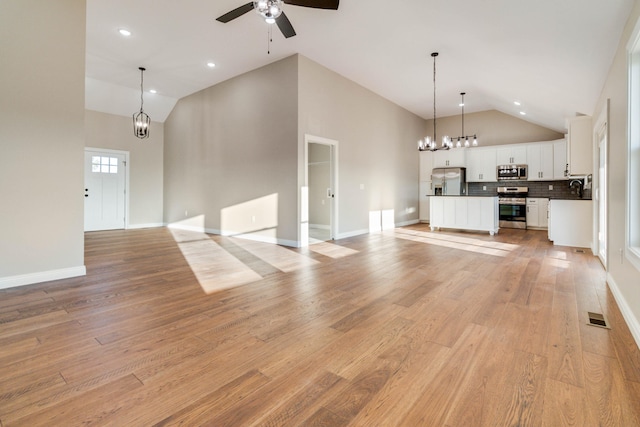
148 225
632 253
352 233
334 227
320 226
43 276
632 322
254 237
410 222
195 228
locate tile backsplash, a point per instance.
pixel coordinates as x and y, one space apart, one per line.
560 190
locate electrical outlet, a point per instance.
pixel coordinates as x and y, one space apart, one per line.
253 218
484 188
550 187
186 212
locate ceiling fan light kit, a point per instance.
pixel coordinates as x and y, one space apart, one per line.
271 11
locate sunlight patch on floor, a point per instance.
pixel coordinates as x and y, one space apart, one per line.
461 239
279 257
331 250
213 266
455 242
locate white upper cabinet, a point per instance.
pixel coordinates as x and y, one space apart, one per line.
540 161
580 146
481 164
512 155
560 159
426 165
454 158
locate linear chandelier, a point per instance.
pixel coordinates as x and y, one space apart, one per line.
464 137
429 143
141 120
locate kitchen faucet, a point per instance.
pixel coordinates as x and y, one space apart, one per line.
579 188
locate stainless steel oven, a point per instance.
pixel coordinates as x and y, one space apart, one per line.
512 204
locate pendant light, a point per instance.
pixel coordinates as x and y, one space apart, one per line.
429 144
464 137
141 120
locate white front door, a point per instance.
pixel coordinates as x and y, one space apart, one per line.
104 190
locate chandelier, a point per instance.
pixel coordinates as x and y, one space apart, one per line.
141 120
429 143
269 9
464 137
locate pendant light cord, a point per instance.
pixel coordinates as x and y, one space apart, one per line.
435 139
141 88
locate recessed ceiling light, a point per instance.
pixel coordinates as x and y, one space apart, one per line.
211 64
516 102
124 32
522 113
153 91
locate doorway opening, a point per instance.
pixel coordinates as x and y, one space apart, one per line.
321 181
602 133
105 189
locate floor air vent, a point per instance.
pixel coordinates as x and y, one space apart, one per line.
597 319
580 251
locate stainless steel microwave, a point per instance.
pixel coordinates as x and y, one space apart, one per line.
510 172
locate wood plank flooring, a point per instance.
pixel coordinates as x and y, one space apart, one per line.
403 328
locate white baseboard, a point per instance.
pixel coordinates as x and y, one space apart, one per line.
42 276
404 223
629 317
149 225
352 233
178 226
320 226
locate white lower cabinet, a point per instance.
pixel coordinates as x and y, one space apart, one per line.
464 213
537 212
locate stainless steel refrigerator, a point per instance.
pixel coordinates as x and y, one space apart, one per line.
449 181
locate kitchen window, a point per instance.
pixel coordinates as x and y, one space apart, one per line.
633 150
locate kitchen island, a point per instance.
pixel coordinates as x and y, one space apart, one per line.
464 213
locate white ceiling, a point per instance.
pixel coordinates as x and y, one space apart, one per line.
551 55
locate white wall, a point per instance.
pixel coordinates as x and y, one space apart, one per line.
145 162
231 156
376 146
42 57
623 278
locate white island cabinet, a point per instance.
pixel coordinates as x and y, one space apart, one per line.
464 213
571 222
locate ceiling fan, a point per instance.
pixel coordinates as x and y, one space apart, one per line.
271 11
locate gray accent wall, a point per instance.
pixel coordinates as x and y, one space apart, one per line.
145 162
230 156
492 128
378 162
42 51
622 277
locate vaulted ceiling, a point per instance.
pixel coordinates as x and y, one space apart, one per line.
552 56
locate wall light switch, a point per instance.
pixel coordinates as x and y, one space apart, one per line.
484 188
362 186
550 187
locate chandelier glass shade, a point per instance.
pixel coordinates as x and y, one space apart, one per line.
268 9
141 120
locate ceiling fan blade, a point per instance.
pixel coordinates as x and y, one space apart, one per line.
285 26
235 13
318 4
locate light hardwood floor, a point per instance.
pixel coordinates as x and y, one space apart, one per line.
403 328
